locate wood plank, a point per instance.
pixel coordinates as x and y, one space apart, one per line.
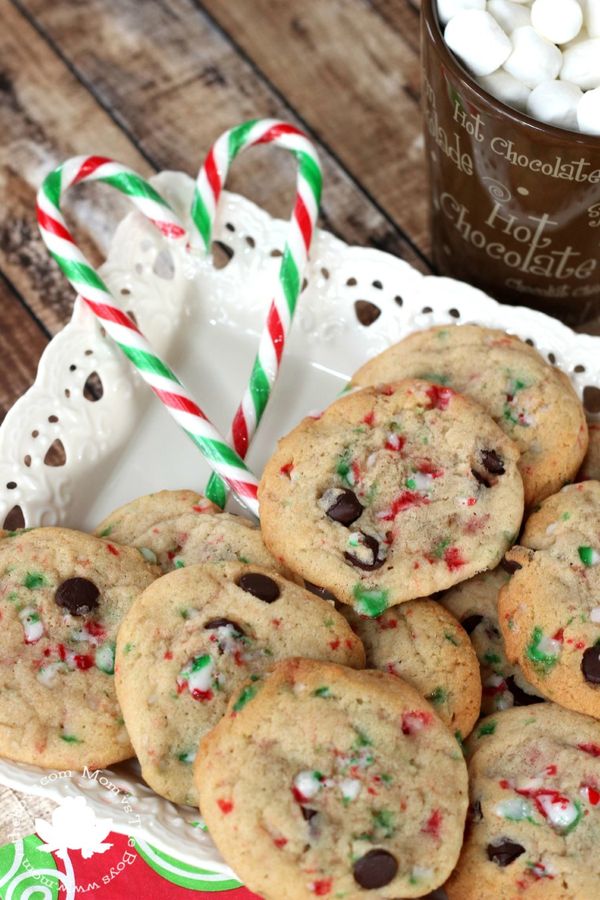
39 129
22 342
352 78
176 82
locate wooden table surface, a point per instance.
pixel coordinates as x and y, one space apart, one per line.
152 83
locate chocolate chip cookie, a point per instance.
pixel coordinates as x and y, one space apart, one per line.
549 611
534 820
395 492
534 403
323 781
192 638
63 595
422 643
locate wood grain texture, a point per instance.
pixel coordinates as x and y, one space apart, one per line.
351 70
22 341
177 83
40 127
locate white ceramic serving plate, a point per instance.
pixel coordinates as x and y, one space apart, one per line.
206 320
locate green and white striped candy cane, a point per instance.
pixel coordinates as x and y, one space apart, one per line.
209 185
119 326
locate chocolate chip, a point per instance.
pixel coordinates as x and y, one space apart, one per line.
492 462
308 814
505 853
260 586
222 623
590 664
346 508
371 544
475 813
482 479
375 869
510 566
471 623
520 697
319 591
78 596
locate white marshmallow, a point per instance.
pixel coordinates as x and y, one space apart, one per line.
509 15
448 8
506 88
557 20
533 59
588 112
478 41
582 36
555 102
591 16
581 64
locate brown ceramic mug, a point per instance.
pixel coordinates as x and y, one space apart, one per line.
515 202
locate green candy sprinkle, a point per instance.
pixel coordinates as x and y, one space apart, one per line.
411 484
492 658
322 692
35 580
105 658
450 637
384 819
247 694
187 757
438 550
387 779
437 696
436 378
13 596
565 516
536 653
343 468
370 601
127 648
107 531
243 559
488 728
588 556
362 739
70 739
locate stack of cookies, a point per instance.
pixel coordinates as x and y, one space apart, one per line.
316 685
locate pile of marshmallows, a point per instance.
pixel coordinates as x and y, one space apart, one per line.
541 57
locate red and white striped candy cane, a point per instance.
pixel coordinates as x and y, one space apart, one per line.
121 328
209 185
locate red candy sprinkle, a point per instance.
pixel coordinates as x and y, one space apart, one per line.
113 550
415 720
225 805
426 467
403 501
95 629
592 749
287 469
334 644
559 636
395 442
202 696
433 824
453 558
168 655
593 794
369 419
439 396
280 842
322 887
551 770
83 661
